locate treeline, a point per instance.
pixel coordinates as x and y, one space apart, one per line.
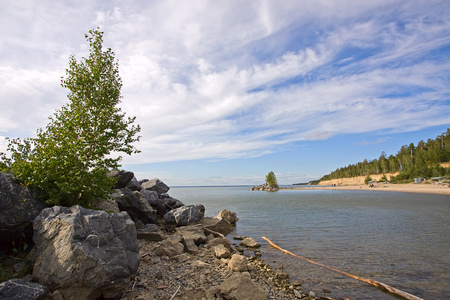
422 160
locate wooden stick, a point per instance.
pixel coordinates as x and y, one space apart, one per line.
377 284
173 296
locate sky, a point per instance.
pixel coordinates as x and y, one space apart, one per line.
226 91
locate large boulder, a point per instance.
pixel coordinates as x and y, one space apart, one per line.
239 287
155 201
123 178
155 185
219 225
18 289
18 209
134 185
183 216
135 204
170 247
228 215
83 253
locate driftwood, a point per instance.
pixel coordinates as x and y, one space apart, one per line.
382 286
214 232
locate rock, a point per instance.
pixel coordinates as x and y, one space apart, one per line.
171 203
218 225
18 289
190 246
109 205
239 287
155 185
193 232
264 187
134 184
238 263
18 209
170 247
200 208
220 251
155 202
250 243
135 204
83 253
150 232
183 216
227 215
123 178
220 241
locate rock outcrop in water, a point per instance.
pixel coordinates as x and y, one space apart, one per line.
264 187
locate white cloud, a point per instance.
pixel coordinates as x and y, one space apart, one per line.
213 80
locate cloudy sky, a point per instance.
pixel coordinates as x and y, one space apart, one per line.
226 91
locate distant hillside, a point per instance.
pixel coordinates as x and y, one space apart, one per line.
425 159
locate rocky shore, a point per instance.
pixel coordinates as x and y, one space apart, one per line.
139 244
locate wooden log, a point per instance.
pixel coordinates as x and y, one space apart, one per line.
382 286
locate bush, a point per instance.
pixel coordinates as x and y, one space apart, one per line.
367 179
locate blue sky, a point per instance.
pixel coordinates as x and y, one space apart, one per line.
226 91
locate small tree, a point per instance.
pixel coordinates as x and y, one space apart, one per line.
367 179
69 160
271 179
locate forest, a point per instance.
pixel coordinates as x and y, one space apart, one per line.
422 160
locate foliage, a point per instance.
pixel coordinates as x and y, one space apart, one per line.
68 161
271 179
367 179
411 161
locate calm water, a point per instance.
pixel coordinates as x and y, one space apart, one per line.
400 239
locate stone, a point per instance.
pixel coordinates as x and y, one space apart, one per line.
150 232
171 203
18 289
220 251
170 247
250 243
190 246
83 253
238 263
155 185
194 232
19 207
217 225
183 216
239 287
134 184
135 204
220 241
200 208
123 178
227 215
155 202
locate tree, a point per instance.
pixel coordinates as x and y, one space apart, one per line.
69 160
271 179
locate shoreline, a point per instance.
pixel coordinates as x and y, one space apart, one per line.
405 188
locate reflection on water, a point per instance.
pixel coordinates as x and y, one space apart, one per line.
400 239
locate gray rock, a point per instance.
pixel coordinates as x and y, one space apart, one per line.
170 247
171 203
238 263
220 251
150 232
239 287
228 215
18 209
18 289
190 246
83 253
155 202
250 243
135 204
123 178
220 241
217 225
134 184
192 232
183 216
155 185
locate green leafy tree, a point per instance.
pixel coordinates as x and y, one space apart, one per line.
367 179
271 179
68 161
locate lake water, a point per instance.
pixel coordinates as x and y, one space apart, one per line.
400 239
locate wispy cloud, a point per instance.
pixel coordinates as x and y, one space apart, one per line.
220 80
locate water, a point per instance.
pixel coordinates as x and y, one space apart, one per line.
400 239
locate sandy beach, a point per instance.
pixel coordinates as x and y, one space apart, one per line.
432 188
